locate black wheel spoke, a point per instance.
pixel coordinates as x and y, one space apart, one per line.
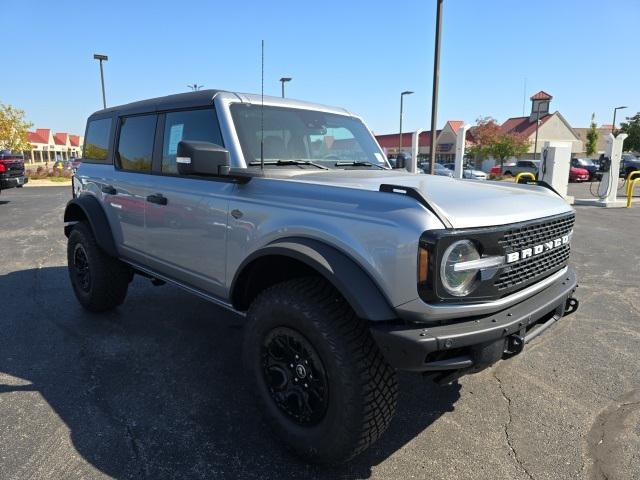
295 376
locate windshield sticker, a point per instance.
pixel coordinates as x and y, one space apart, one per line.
175 135
379 157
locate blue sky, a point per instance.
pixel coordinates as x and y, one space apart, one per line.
355 54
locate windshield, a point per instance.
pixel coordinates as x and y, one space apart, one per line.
587 162
333 141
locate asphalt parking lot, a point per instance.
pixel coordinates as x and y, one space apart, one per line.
156 389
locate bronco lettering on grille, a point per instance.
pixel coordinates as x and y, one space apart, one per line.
538 249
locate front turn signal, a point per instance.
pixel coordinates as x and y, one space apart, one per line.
423 264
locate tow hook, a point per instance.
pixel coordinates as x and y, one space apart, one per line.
515 344
571 305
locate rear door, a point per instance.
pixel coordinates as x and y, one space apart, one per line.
129 188
187 232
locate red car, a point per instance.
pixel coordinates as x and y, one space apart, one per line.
578 174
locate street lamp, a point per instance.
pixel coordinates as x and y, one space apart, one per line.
102 58
195 87
613 125
434 95
283 80
406 92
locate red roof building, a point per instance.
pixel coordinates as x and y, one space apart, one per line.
48 147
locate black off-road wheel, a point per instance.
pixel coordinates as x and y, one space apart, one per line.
321 381
99 281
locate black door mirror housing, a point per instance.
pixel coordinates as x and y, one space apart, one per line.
202 158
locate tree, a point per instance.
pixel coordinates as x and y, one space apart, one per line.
632 128
592 136
13 129
490 141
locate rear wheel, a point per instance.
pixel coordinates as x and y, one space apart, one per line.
324 386
99 281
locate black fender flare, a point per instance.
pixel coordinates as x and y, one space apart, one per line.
347 276
88 207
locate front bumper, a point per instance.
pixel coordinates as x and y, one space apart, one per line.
461 344
10 182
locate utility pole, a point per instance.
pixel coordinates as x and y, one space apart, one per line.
434 96
102 58
406 92
283 80
535 143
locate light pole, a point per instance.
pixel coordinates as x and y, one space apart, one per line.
434 96
613 125
406 92
283 80
195 87
102 58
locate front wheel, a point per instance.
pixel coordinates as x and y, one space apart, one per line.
323 384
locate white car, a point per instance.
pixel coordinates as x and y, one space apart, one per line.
468 172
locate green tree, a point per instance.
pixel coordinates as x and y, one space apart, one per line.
490 141
592 136
13 129
632 128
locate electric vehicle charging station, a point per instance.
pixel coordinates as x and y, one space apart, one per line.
460 147
608 187
554 167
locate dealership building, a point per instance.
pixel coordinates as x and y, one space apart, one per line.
552 127
47 146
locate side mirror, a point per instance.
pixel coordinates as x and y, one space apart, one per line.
202 158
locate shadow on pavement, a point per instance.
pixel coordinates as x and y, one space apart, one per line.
4 202
156 389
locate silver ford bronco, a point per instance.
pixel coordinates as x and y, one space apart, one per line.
288 214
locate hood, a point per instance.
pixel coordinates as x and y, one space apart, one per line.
464 203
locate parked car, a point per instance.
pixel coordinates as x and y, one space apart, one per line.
438 170
12 172
495 171
468 172
343 270
629 163
586 164
532 166
578 174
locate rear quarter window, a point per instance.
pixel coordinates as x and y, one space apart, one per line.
96 143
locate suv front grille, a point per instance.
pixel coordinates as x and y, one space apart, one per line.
533 268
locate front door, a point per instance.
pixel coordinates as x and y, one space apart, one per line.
186 232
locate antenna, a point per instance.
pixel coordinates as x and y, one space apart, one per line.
262 110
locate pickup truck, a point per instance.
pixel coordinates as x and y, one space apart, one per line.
11 170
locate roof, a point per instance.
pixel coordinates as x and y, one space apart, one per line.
392 140
522 125
455 125
38 137
60 138
203 98
541 95
74 140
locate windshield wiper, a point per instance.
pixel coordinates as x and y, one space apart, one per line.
289 162
358 163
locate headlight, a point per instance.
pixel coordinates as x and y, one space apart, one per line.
459 283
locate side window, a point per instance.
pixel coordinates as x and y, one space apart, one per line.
135 144
201 125
96 144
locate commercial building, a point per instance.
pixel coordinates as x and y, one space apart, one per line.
47 146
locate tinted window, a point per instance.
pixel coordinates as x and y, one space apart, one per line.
201 125
135 145
96 143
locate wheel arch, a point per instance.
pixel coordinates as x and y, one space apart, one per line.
294 257
87 209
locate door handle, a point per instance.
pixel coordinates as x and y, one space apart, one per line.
157 198
109 190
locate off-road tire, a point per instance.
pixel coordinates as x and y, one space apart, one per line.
108 277
362 386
